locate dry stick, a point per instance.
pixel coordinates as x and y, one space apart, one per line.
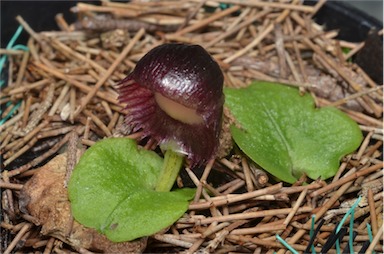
250 215
295 189
317 7
341 169
173 241
364 146
58 101
208 20
21 151
192 14
265 243
341 72
299 234
356 49
213 230
72 104
12 186
259 177
297 53
84 7
292 67
60 21
228 199
195 246
259 38
27 28
27 109
283 6
17 238
375 240
346 179
113 122
76 83
22 68
363 119
38 114
240 18
11 122
110 70
20 142
372 212
236 28
71 155
355 95
98 122
232 166
370 82
280 51
49 246
197 183
258 229
26 88
11 52
295 207
234 187
8 193
62 47
228 185
247 174
203 180
373 129
39 159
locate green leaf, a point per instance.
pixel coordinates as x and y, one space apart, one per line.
285 134
112 190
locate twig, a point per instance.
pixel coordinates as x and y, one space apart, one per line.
261 36
208 20
296 206
372 212
247 174
17 238
173 241
250 215
110 70
224 200
39 159
346 179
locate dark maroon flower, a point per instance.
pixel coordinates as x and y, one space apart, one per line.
175 95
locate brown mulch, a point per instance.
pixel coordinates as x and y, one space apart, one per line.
65 87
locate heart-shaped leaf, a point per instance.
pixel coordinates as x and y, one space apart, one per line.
112 190
285 134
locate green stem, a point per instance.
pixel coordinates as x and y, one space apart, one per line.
171 168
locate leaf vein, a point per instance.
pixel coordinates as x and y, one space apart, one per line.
279 131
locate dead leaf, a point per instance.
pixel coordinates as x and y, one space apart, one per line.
45 198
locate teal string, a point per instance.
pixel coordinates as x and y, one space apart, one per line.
6 106
312 231
20 47
351 232
10 45
370 236
369 229
10 113
350 211
286 244
3 59
14 37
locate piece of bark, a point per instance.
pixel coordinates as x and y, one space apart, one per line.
45 198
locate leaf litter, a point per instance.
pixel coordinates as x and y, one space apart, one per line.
232 211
